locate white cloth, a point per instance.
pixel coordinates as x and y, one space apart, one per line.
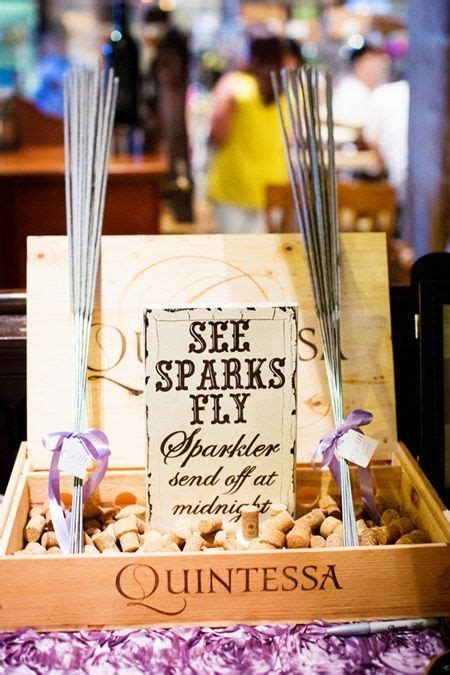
351 102
387 129
239 220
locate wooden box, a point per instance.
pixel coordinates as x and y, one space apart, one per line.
71 592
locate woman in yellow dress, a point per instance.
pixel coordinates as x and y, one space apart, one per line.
246 135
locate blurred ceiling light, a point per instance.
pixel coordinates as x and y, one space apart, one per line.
356 41
167 5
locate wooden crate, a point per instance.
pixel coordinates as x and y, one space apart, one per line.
216 589
211 588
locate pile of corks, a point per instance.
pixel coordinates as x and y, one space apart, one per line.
107 530
111 530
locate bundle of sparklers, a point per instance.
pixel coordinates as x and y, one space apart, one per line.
310 154
89 105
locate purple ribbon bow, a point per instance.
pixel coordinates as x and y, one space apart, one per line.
329 444
96 444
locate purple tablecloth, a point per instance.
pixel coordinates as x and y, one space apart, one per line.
225 651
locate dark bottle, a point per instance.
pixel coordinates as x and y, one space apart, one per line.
121 53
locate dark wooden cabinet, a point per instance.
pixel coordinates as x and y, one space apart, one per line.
12 380
32 201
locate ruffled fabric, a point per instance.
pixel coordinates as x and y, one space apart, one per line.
282 650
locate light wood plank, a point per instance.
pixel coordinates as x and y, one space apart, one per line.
11 488
137 271
285 586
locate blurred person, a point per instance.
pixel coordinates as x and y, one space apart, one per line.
368 70
246 134
164 95
386 130
292 54
52 64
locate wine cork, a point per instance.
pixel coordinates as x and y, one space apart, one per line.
210 524
388 516
250 521
258 545
388 534
49 540
181 529
129 542
92 531
220 537
233 544
34 528
90 549
153 542
209 540
282 522
91 509
86 539
109 521
34 548
104 540
315 519
55 549
91 524
156 528
329 506
132 510
125 530
275 509
109 512
339 530
229 528
406 525
299 536
360 526
124 525
141 526
414 537
317 541
369 538
113 550
48 520
193 543
328 526
274 537
172 547
334 540
36 510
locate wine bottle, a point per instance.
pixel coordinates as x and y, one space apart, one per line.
121 53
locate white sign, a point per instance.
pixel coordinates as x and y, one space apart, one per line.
221 409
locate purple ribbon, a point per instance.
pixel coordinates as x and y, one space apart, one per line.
329 444
96 444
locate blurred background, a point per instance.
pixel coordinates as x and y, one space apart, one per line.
193 124
197 145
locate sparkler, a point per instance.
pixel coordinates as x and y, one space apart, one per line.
313 179
89 105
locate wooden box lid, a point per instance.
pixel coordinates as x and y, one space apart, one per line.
137 271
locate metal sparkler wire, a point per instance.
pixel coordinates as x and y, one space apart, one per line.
312 174
89 104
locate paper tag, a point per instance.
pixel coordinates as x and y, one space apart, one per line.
73 458
357 448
